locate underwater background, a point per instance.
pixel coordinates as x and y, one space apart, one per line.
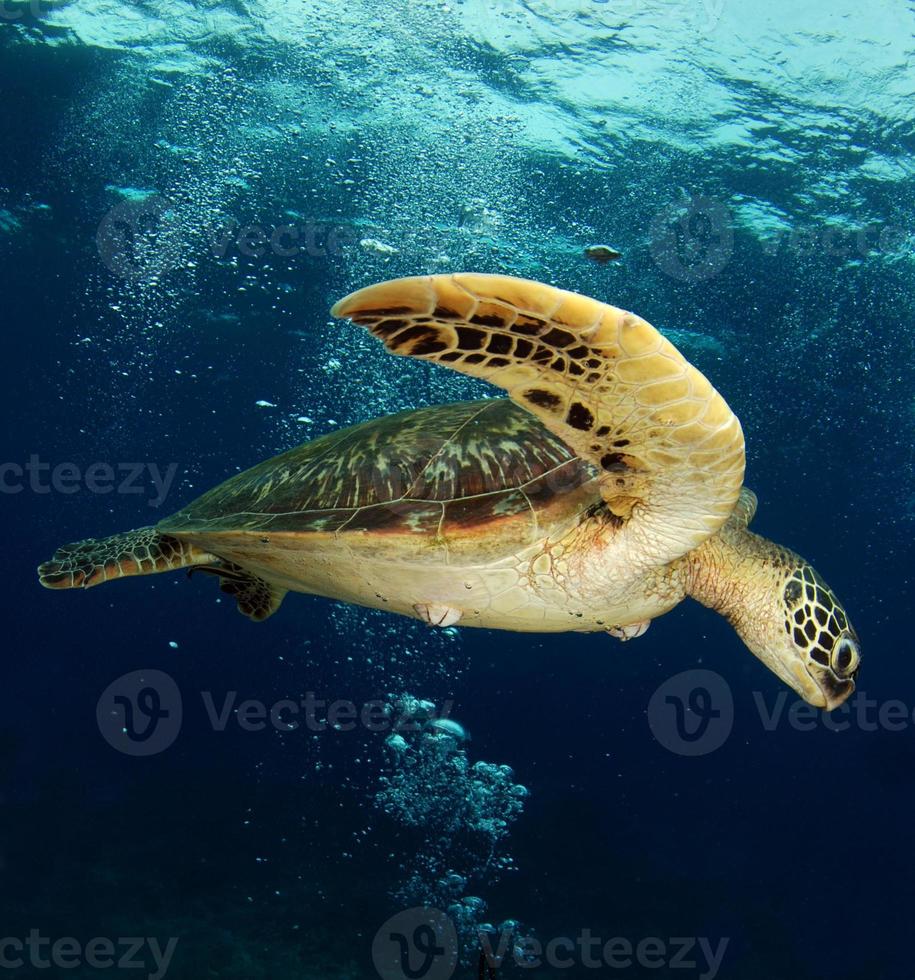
185 189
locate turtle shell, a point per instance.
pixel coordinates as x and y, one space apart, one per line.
447 472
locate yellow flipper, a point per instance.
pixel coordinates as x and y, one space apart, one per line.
669 449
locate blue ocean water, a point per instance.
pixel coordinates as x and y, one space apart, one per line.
185 189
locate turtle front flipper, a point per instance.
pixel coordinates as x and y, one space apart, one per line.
256 598
668 449
144 551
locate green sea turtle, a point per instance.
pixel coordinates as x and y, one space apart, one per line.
605 490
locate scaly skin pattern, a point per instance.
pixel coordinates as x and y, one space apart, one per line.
97 560
780 607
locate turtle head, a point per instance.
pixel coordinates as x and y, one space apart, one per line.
782 610
809 643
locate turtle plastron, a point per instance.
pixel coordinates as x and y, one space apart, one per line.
437 613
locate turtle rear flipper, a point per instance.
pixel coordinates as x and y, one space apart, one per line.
256 598
144 551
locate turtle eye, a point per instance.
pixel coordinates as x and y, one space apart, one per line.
845 657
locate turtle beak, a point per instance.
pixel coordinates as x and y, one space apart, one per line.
819 686
831 691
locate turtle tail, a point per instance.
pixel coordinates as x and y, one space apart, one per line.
96 560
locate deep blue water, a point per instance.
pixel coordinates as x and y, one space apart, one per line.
755 170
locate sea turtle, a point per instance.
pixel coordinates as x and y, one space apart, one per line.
605 490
